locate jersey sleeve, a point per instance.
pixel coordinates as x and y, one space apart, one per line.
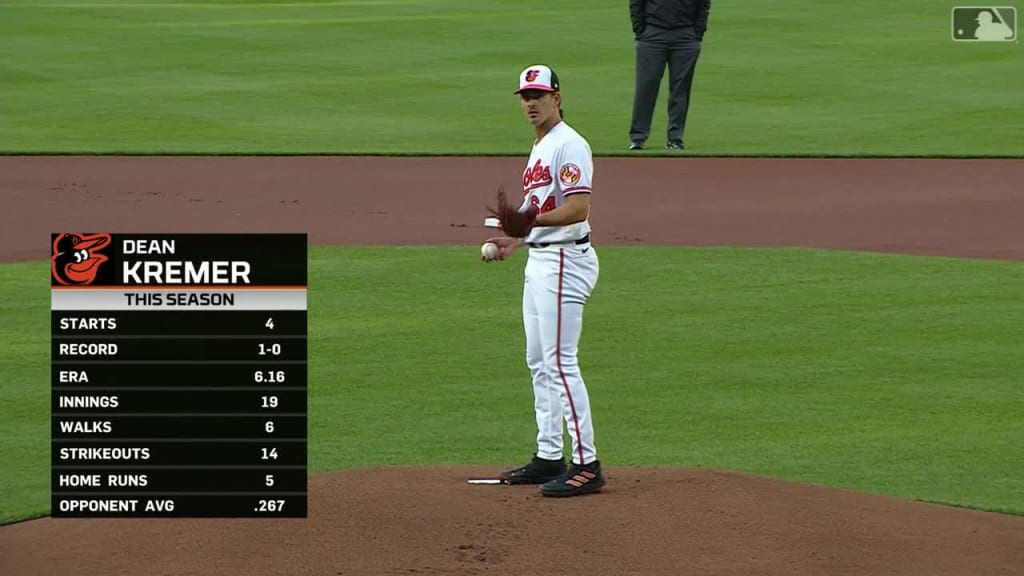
575 170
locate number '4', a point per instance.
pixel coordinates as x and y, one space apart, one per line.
548 206
270 323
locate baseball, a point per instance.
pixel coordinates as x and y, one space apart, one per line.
489 250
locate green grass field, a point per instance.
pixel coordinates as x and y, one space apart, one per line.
888 374
435 76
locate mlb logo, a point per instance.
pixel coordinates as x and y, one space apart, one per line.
984 24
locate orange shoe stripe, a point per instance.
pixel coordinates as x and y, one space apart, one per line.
574 483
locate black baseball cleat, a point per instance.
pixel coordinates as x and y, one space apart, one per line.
538 471
577 480
676 145
636 146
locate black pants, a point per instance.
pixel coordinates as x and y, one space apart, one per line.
655 48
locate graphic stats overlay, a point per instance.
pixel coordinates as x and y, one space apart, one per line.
178 375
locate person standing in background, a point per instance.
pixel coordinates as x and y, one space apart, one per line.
667 32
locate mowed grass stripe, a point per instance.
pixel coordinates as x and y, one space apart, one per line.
213 5
344 21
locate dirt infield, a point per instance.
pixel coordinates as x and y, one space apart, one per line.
390 521
969 208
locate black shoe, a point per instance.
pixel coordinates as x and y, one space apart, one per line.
636 146
577 480
677 145
538 471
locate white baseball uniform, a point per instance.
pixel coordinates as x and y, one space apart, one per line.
561 271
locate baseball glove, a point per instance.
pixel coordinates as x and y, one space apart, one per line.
514 223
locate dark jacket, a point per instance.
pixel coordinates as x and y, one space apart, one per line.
670 14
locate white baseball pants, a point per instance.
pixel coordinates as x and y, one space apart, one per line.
559 279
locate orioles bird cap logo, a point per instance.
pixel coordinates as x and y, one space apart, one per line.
532 74
77 258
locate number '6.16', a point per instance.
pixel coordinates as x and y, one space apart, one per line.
269 376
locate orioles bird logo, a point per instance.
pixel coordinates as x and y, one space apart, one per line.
531 75
76 258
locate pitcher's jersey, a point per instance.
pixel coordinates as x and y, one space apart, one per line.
560 165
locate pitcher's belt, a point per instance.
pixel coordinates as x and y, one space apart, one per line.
584 240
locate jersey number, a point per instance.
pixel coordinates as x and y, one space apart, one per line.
548 206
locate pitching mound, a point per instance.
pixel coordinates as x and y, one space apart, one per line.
646 522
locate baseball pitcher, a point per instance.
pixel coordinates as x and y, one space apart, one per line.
561 272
